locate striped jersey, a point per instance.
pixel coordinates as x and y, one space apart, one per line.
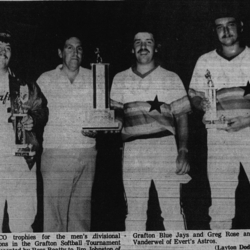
150 102
231 78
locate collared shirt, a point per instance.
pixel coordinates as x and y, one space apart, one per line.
66 102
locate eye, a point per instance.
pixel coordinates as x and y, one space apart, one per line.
136 43
231 24
218 28
79 49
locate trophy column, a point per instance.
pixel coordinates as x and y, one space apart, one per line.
210 117
100 117
100 85
18 112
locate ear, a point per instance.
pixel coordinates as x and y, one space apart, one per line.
133 51
241 26
59 53
156 50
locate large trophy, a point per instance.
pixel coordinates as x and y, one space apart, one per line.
100 117
22 148
210 117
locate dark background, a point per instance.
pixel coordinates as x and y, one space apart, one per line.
182 26
184 31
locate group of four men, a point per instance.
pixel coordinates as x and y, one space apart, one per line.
155 106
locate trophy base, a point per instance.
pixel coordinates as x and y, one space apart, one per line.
215 124
23 152
100 120
99 128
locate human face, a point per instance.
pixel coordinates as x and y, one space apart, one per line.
5 55
144 48
72 54
227 30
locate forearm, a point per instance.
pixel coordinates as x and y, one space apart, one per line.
197 102
119 113
237 123
38 111
182 166
246 121
182 131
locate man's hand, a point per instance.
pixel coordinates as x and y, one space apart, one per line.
182 165
27 123
205 104
201 103
237 123
89 133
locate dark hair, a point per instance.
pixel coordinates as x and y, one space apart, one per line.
145 30
5 36
63 37
227 8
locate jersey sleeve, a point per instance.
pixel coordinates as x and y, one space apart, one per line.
181 104
116 92
198 80
116 98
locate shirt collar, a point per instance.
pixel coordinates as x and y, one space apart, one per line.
145 74
60 73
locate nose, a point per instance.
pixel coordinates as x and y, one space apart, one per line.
2 51
226 30
143 45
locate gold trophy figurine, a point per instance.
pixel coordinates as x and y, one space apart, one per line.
98 57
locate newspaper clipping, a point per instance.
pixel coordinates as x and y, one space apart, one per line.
125 125
218 240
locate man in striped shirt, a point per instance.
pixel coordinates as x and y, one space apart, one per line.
228 69
152 99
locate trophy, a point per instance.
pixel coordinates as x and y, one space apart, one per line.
210 117
22 148
100 117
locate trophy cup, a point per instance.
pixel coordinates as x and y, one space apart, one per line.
22 148
210 117
100 117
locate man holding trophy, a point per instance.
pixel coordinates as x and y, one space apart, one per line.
78 107
23 109
220 87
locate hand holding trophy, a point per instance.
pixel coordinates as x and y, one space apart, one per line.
209 106
22 123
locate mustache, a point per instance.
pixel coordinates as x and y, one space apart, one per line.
226 36
143 50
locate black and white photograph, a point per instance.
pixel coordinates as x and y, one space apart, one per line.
137 114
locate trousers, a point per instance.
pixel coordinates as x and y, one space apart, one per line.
225 153
68 176
18 188
146 160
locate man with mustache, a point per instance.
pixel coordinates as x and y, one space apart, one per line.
68 160
18 174
227 68
152 99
